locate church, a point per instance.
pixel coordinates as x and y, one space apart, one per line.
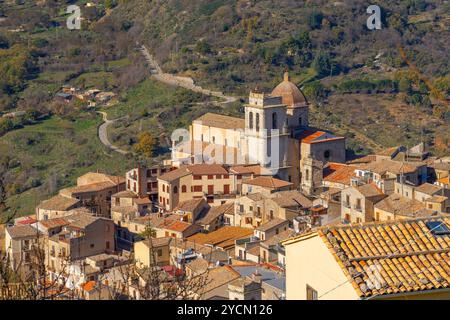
274 134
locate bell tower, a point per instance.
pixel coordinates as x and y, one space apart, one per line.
266 131
311 175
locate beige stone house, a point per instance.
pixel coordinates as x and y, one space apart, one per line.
287 205
265 185
254 209
151 252
358 202
361 262
271 248
248 211
397 207
20 245
245 288
83 236
271 228
214 217
191 210
434 197
56 207
196 181
93 191
385 173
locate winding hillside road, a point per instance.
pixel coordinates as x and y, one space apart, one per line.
103 133
184 82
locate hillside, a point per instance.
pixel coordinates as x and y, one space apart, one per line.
234 45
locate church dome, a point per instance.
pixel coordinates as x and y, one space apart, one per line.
290 93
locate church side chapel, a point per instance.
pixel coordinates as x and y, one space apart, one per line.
276 120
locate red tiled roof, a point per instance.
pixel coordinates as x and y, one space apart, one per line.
338 173
177 226
313 136
202 169
268 182
53 223
89 286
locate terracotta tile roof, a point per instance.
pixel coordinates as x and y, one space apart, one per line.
369 190
125 194
58 203
26 220
254 196
81 220
314 136
94 187
215 212
276 239
428 188
276 222
291 198
94 177
54 223
21 231
395 167
177 226
198 265
158 242
406 254
402 206
221 121
187 244
339 173
246 169
255 251
445 181
190 205
89 286
268 182
437 199
217 277
174 174
204 169
223 237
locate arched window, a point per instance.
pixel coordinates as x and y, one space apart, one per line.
300 121
257 122
175 189
250 120
327 154
183 188
164 188
274 120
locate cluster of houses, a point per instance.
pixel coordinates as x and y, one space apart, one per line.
92 97
320 227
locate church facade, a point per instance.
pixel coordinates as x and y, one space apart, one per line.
274 134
